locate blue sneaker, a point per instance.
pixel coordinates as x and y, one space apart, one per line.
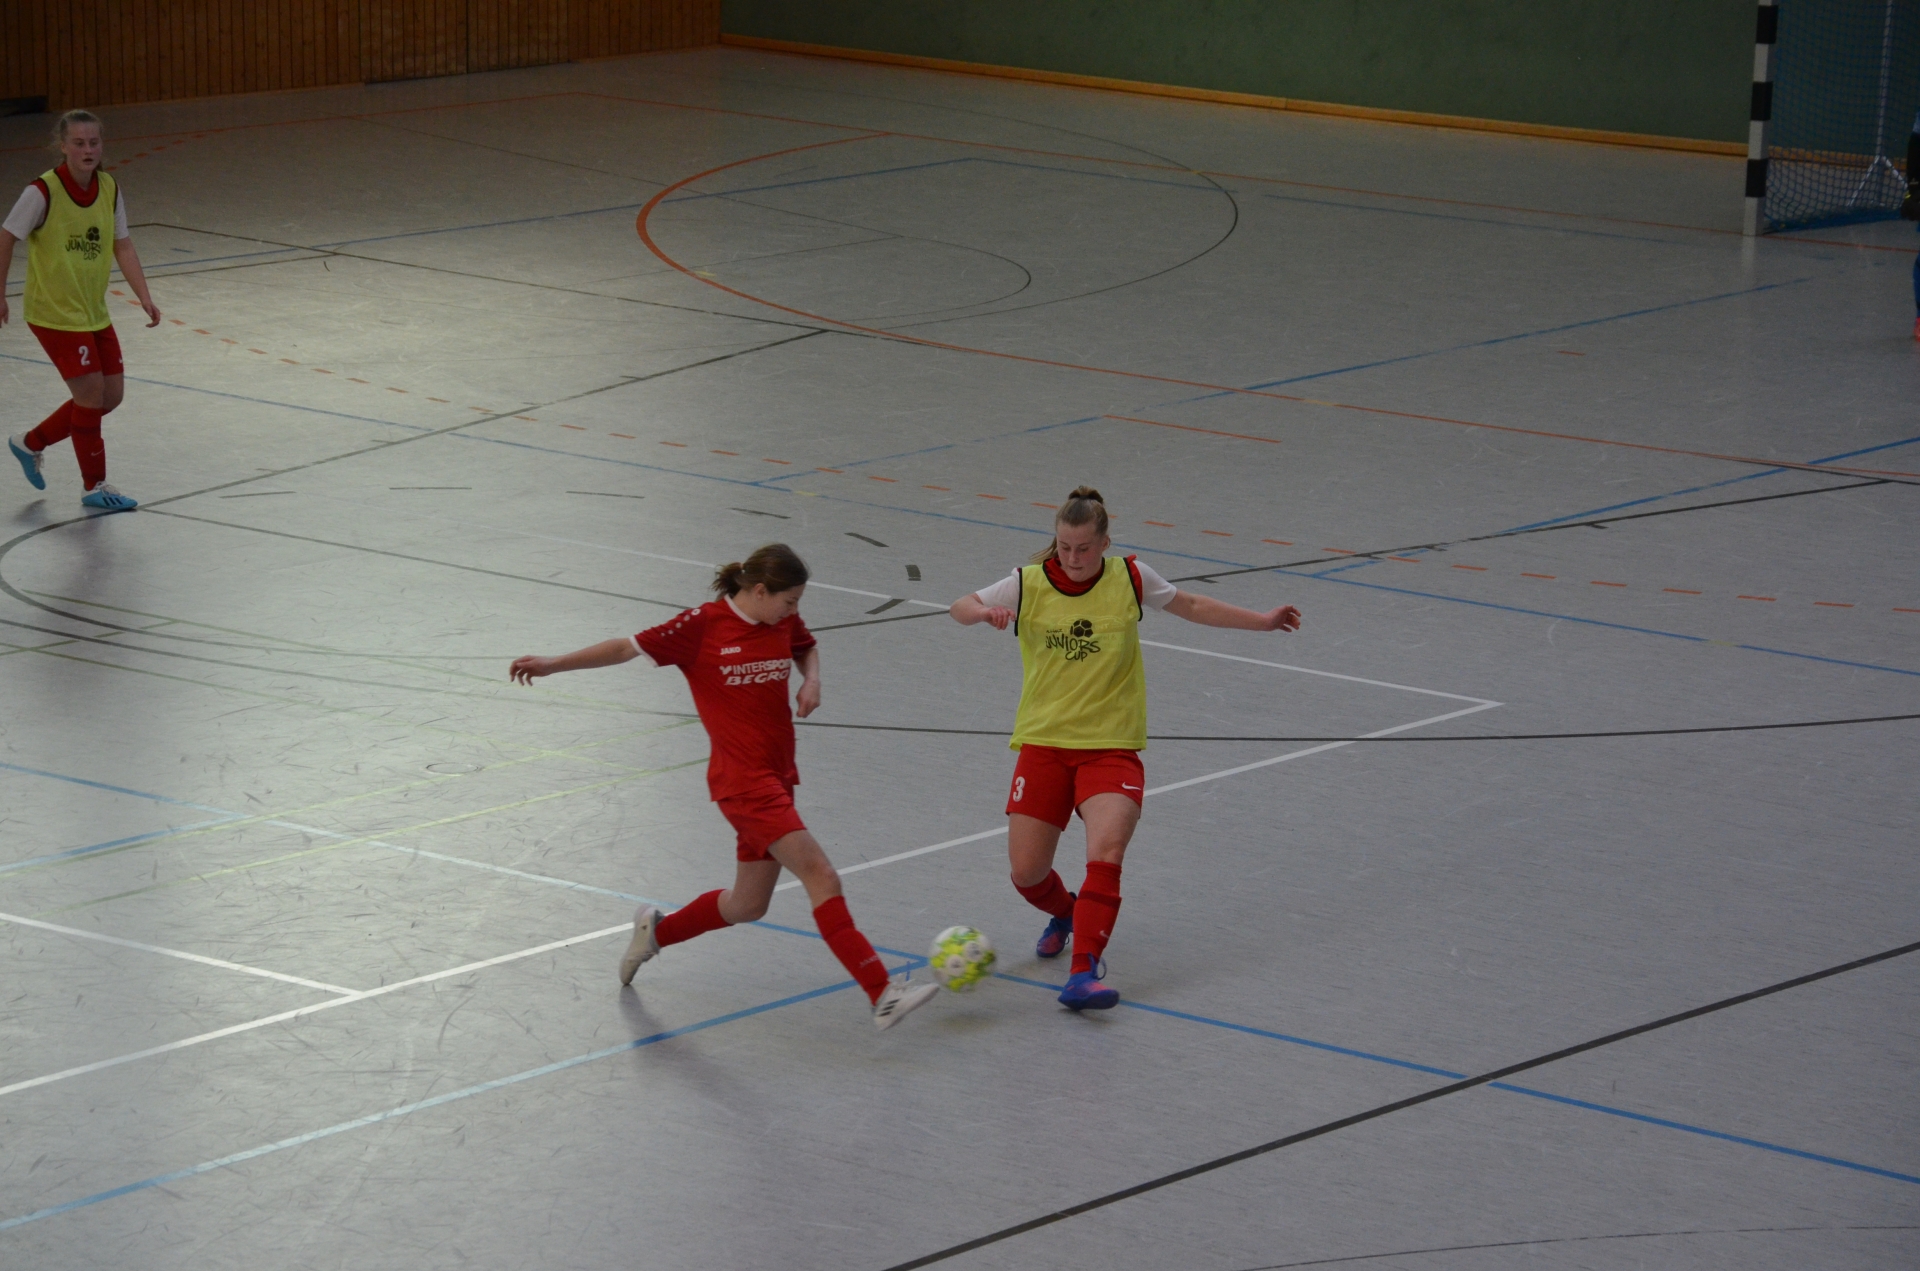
107 499
1084 992
29 460
1054 938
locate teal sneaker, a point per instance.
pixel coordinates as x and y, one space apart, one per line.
107 499
29 460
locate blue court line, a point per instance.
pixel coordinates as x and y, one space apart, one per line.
111 789
1482 220
1507 339
484 1087
89 850
1510 1088
1597 622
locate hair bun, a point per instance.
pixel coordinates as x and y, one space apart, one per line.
1087 492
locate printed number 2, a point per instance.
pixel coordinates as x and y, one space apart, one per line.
86 352
1019 788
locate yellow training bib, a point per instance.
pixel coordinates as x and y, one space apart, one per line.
1085 687
70 257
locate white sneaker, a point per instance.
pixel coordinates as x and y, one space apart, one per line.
898 998
643 946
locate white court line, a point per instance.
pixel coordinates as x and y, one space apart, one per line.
360 995
175 953
1330 675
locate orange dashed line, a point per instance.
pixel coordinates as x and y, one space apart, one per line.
263 353
1217 533
1411 560
734 453
888 480
176 322
1051 507
200 331
1478 569
943 488
392 389
1898 609
321 370
289 361
118 292
534 419
681 444
484 410
839 472
1680 591
443 401
1546 576
1831 604
787 462
623 436
224 340
1766 598
350 379
1165 525
1001 497
1278 542
1568 353
575 427
1597 583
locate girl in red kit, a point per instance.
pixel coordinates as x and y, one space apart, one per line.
737 653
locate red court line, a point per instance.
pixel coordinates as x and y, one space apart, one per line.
646 213
1238 436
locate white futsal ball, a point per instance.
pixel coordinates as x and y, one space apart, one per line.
961 957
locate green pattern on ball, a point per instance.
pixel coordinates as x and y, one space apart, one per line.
960 958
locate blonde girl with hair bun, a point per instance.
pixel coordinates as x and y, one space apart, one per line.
74 223
1082 720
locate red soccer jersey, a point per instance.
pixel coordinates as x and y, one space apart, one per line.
738 673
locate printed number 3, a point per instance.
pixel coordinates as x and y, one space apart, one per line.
1019 788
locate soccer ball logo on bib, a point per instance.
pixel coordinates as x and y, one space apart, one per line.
1076 642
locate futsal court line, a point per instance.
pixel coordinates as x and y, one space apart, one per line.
173 953
641 227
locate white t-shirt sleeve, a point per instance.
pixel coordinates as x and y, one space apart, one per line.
1155 591
1004 594
28 211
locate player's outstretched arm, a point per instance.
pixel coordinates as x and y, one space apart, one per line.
1209 612
129 262
606 653
970 609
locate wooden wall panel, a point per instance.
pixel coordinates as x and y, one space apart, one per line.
108 52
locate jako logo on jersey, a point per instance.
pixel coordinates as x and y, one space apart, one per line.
1076 642
756 672
732 648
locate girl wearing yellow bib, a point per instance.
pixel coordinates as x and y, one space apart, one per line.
1082 720
74 223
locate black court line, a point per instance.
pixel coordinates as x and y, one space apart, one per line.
254 494
885 605
1387 1109
874 622
1622 732
758 512
913 573
429 487
1566 1240
1597 523
864 539
607 494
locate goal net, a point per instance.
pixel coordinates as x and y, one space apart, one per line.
1846 85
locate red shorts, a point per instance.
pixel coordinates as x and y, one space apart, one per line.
77 353
1049 783
760 816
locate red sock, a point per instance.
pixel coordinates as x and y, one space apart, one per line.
855 954
54 427
697 917
1049 895
1093 914
87 446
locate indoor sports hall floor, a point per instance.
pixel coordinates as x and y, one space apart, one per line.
310 918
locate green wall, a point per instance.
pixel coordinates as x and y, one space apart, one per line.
1674 67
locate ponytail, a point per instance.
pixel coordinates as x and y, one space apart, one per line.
1084 506
776 565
